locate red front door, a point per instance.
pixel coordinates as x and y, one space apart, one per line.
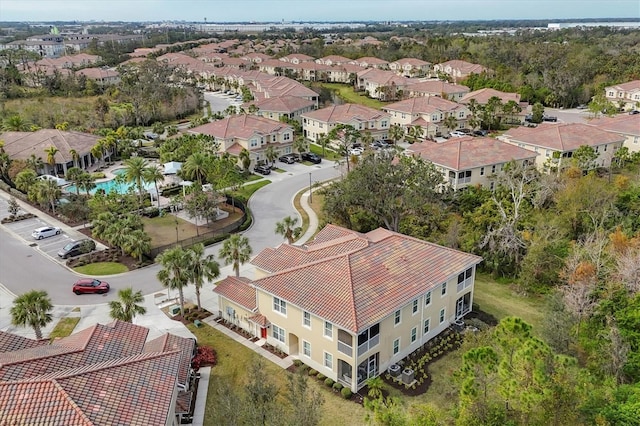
263 332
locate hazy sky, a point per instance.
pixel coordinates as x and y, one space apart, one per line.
311 10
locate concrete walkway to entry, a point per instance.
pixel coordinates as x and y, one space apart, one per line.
281 362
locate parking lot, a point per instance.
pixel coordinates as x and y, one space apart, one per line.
23 229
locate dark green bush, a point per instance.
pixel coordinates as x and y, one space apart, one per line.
346 393
321 376
297 362
312 372
337 386
329 382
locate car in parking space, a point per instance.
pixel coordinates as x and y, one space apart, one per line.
76 248
310 156
288 158
457 134
480 132
45 232
262 169
90 286
355 151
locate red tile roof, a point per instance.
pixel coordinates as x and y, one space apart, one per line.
284 104
469 152
423 105
259 319
241 126
20 145
98 376
562 137
482 96
625 124
437 87
10 342
357 289
238 290
345 113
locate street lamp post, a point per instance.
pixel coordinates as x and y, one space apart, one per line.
310 193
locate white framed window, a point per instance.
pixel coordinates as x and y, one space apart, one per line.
427 325
277 333
493 168
397 317
328 330
442 312
414 334
306 319
286 137
443 289
427 298
328 360
481 171
396 346
279 305
306 348
414 307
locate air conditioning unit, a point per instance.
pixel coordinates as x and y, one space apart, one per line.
395 370
174 310
408 375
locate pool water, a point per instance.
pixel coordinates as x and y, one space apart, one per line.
113 185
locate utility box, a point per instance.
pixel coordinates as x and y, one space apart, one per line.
408 375
395 370
174 310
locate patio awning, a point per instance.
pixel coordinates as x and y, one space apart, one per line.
172 167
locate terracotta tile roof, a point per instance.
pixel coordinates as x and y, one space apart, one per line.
169 343
95 344
469 152
383 77
463 66
412 61
346 113
287 256
20 145
334 59
238 290
332 232
242 126
260 319
105 378
98 73
284 104
562 137
357 289
624 124
299 56
10 342
628 86
482 96
39 403
423 105
437 87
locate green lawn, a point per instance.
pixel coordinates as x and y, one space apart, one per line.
234 360
102 268
247 191
347 94
64 327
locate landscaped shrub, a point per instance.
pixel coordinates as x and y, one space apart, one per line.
98 175
346 393
321 376
329 382
337 386
205 356
297 362
312 372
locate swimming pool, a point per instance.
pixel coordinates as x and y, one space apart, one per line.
114 185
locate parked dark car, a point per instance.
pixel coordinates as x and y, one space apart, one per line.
90 286
76 248
481 132
634 112
310 156
262 169
288 158
549 118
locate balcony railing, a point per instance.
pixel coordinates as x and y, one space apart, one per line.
345 349
372 342
464 284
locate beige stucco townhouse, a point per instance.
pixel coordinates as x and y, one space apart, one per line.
625 94
471 161
443 89
428 112
318 123
556 143
350 304
625 125
411 67
290 107
249 132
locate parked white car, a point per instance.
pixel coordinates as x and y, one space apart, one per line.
457 134
356 151
45 232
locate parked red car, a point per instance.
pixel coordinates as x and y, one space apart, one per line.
90 285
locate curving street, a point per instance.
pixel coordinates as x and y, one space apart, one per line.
24 267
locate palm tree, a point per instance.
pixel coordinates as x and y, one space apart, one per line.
201 267
74 175
236 250
396 132
35 163
25 180
134 173
15 123
127 306
367 140
197 167
75 156
245 159
450 122
415 133
97 150
323 140
101 223
271 154
137 244
300 145
154 174
375 385
288 229
87 182
50 191
32 309
175 271
51 152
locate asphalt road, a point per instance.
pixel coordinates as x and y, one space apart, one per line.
23 266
